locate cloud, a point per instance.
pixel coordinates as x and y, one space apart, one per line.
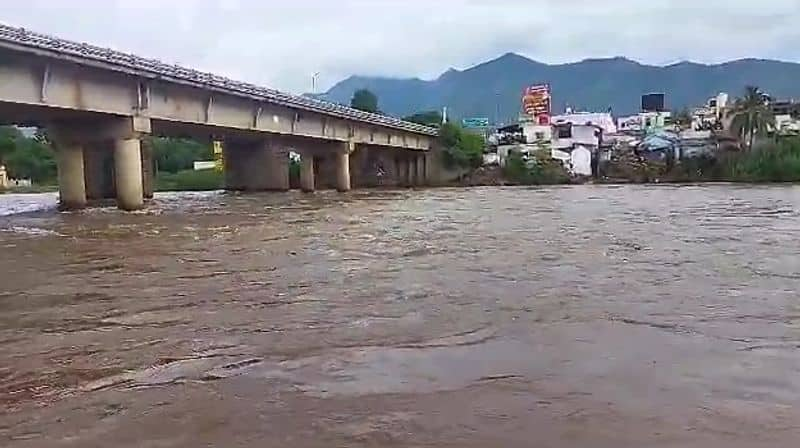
282 43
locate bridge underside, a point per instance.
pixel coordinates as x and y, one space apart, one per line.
104 157
100 122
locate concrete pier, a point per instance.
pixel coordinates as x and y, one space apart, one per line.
256 166
234 166
420 175
128 174
71 180
148 168
408 172
278 168
342 161
307 173
98 163
400 171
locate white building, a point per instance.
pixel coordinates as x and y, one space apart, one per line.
7 182
711 115
581 161
602 120
537 133
644 121
567 136
787 125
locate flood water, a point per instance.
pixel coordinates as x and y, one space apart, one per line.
589 316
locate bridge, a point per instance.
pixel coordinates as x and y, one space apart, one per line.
99 105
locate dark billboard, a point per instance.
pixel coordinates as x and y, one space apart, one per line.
653 102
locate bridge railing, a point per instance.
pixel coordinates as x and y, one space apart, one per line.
20 37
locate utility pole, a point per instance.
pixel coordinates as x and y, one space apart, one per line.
314 79
497 109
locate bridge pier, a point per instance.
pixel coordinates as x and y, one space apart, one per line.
406 177
256 166
89 169
420 175
71 183
372 166
342 161
98 163
326 165
148 169
307 181
128 174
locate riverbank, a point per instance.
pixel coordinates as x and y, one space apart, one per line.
776 162
190 180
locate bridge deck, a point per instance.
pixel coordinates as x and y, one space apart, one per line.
22 40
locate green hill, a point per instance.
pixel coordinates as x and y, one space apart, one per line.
494 88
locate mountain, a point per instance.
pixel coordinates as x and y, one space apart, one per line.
493 89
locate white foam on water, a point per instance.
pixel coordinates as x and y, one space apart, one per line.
15 204
33 231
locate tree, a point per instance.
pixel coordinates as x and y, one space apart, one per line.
364 100
461 148
683 118
177 154
431 118
751 115
26 158
8 141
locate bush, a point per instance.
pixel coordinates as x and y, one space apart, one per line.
538 171
771 163
190 180
462 149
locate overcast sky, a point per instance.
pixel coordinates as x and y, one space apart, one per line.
281 43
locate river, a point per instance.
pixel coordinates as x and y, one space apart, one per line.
596 316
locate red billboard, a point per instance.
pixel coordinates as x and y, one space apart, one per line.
536 103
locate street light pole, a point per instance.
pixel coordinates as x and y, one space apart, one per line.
314 78
496 108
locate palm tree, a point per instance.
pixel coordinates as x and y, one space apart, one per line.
751 115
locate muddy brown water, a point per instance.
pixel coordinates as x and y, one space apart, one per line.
584 316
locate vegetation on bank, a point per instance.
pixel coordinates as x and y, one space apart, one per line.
537 171
172 155
27 157
190 180
751 115
460 148
772 162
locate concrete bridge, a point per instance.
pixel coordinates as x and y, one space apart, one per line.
98 106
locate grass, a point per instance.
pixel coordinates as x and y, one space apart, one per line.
190 180
778 162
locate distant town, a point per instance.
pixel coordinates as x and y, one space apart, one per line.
591 144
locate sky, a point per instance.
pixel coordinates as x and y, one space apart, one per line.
283 43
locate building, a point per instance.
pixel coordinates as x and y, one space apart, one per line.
535 133
644 122
577 138
712 114
7 182
786 124
603 120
